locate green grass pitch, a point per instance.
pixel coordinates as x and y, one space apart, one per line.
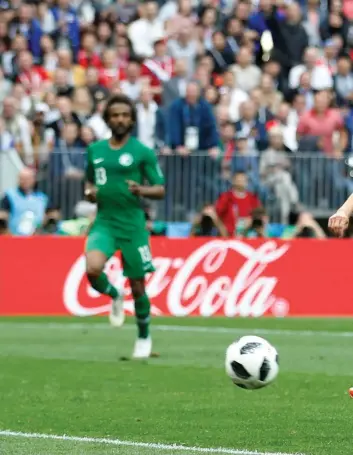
63 376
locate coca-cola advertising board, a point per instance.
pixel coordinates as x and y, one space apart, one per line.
193 277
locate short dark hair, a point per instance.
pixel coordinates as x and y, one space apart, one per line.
119 99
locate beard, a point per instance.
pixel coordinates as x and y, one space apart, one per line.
120 132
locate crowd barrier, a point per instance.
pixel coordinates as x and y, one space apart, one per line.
193 277
322 182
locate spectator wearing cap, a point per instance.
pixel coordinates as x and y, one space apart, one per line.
176 86
344 82
322 123
246 73
25 204
251 127
192 124
145 31
320 75
26 25
67 31
234 207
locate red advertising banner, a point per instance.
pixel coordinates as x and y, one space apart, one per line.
194 277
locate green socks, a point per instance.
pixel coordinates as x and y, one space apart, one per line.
103 286
142 310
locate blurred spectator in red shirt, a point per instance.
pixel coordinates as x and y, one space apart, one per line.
29 75
236 204
326 124
88 56
110 73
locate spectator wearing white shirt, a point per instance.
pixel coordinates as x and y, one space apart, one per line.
320 75
146 30
132 86
344 81
186 47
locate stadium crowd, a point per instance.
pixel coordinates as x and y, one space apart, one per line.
243 99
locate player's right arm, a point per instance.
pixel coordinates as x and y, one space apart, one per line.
90 187
338 223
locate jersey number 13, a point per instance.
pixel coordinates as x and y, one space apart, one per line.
101 176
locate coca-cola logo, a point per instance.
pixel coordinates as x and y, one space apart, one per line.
204 283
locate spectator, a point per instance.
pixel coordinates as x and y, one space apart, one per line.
234 207
62 85
144 32
65 115
132 85
32 77
97 91
289 36
236 95
321 123
5 87
185 46
264 115
335 23
302 224
251 127
82 104
67 31
320 75
192 123
176 86
220 52
49 57
25 205
110 73
77 76
344 81
258 224
18 126
97 124
29 27
184 18
271 98
10 57
246 73
208 224
87 136
303 89
42 138
312 19
275 175
88 56
146 118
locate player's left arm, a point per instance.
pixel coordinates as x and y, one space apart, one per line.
154 175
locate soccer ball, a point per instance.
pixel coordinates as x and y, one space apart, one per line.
251 362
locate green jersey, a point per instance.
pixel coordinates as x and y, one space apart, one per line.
109 169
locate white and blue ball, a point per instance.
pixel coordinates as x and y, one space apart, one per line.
252 362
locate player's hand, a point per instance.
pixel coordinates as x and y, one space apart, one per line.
134 187
338 223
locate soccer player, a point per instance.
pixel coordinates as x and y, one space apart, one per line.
116 171
338 223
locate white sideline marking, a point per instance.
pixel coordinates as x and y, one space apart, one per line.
176 328
146 445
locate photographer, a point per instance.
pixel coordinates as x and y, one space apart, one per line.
51 222
258 225
4 222
208 224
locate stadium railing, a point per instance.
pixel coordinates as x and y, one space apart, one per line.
322 183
